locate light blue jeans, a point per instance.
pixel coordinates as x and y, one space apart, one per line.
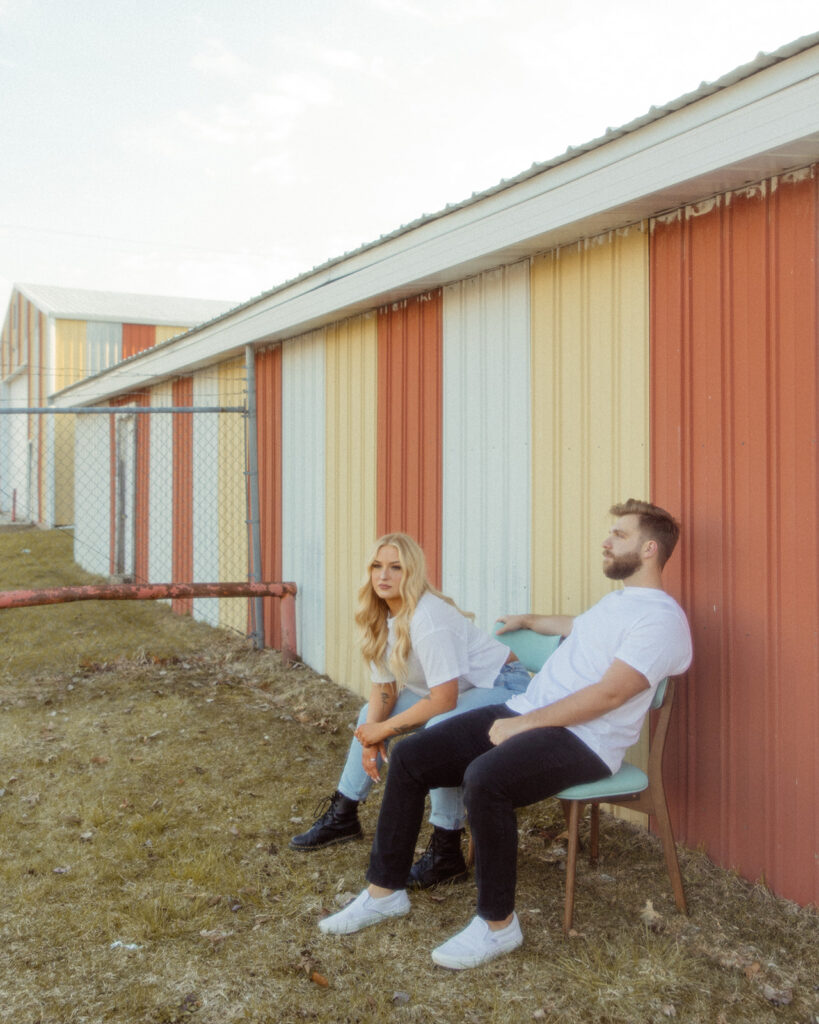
446 805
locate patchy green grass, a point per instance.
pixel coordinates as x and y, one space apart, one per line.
152 771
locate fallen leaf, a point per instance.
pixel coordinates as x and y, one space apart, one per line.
753 969
319 979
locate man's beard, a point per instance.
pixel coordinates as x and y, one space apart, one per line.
622 566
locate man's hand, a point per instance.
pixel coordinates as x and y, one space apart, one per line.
548 625
510 623
504 728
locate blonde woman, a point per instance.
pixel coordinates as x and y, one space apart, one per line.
428 662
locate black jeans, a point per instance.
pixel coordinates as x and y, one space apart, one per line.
523 770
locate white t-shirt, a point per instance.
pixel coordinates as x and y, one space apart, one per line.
445 645
641 626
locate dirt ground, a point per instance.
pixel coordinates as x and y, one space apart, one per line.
152 771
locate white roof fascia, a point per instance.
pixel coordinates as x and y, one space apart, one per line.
762 125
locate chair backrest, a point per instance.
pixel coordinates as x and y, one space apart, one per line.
532 649
659 694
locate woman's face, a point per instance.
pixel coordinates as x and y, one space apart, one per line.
386 574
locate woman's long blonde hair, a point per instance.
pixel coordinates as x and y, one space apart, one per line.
371 616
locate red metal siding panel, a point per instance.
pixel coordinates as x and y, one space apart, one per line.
410 419
136 338
734 422
182 558
269 433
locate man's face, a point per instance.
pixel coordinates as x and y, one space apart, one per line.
622 549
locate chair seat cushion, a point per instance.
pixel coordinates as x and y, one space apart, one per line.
627 780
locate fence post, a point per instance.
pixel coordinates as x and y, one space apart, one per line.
254 515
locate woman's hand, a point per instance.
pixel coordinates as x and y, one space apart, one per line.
369 760
371 734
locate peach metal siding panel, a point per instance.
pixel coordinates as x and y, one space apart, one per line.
351 418
269 433
486 443
734 423
410 337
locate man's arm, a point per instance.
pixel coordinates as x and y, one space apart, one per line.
549 625
620 683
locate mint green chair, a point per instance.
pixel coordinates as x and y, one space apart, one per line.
629 787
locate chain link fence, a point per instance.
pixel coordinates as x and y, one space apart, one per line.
141 494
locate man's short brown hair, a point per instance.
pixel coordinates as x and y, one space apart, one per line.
655 523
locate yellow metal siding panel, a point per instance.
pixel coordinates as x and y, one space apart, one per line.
589 408
590 414
232 539
69 364
351 382
165 331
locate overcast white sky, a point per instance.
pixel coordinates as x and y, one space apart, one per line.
212 149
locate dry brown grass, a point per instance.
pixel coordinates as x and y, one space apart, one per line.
152 772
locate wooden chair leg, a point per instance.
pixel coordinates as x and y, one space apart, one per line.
672 864
574 809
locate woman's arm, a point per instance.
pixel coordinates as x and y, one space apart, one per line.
441 698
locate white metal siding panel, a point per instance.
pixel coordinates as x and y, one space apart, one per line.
486 518
160 526
206 494
92 494
103 345
126 500
303 489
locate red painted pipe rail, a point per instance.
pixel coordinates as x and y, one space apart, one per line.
159 591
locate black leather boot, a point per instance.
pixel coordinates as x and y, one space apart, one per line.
442 861
336 822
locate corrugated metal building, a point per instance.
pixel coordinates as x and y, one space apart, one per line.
53 337
636 317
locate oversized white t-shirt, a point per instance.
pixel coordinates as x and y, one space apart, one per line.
445 645
641 626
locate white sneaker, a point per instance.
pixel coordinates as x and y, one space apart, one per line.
364 911
477 944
